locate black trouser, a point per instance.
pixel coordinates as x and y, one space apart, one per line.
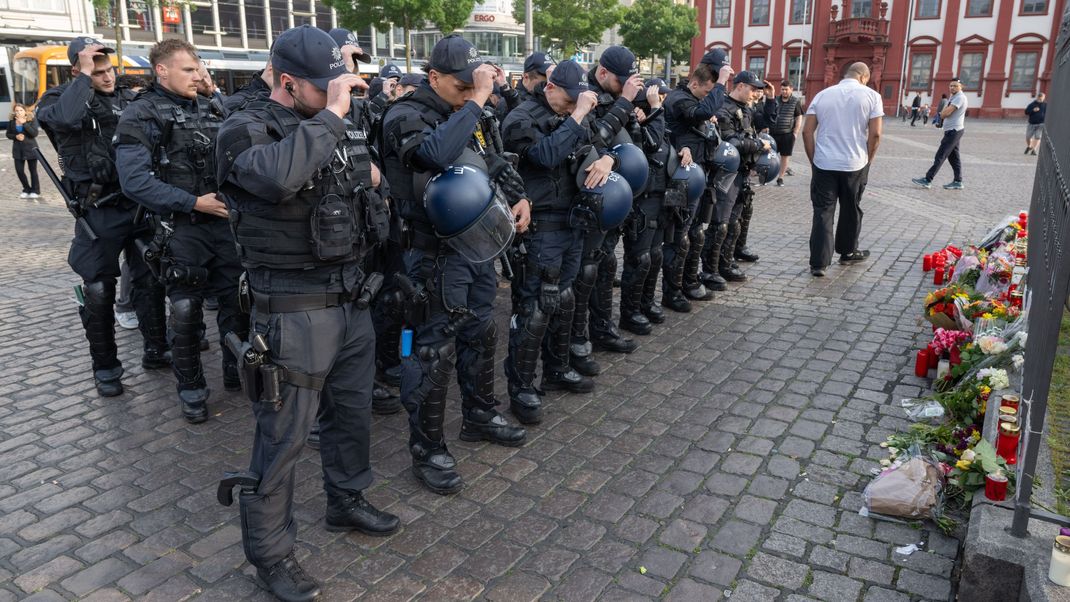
826 189
337 344
677 246
600 304
97 262
913 115
949 151
31 185
206 247
445 340
641 235
590 264
553 258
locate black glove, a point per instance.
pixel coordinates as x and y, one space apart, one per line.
506 177
101 169
549 298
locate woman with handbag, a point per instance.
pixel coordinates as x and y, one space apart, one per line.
22 130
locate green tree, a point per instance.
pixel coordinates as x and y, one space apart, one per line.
570 25
652 28
446 15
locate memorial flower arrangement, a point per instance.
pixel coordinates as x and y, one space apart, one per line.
977 351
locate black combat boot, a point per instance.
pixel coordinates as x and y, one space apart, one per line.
353 512
649 307
288 581
480 423
730 270
433 466
580 357
711 253
108 381
384 401
742 253
231 381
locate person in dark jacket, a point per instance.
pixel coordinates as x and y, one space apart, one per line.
764 110
22 131
915 109
1035 111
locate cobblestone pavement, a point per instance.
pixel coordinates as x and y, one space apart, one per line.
725 457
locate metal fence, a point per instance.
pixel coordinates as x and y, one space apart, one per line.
1049 276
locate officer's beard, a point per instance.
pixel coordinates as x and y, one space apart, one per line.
301 108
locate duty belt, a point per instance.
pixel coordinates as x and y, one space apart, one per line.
284 304
550 221
195 217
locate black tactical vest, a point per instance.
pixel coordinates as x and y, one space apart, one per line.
734 124
701 139
336 218
77 150
184 156
550 189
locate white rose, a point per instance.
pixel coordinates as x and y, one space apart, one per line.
969 455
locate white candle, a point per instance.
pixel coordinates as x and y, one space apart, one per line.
1059 571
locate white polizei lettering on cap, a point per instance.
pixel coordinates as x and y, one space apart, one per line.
336 54
473 55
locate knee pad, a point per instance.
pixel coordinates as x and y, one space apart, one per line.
568 300
437 363
100 293
588 273
187 316
487 337
643 261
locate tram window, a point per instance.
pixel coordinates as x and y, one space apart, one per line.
5 94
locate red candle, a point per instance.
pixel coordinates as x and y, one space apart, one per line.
921 364
956 356
934 357
951 273
1007 442
996 487
926 263
1021 234
939 258
938 275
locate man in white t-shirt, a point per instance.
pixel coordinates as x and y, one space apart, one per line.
954 116
841 136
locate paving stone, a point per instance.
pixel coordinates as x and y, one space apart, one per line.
44 575
726 484
755 510
834 588
868 570
663 563
879 594
715 568
582 585
518 587
777 571
817 514
736 537
687 590
749 590
98 575
926 586
862 547
785 545
682 535
925 562
741 464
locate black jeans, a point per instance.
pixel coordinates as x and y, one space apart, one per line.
31 185
826 189
949 150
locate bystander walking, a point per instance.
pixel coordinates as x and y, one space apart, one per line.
841 136
1035 111
954 119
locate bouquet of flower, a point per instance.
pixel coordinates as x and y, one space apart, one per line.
996 276
942 306
945 340
967 475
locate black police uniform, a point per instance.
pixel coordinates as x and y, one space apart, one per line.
80 123
165 148
421 137
687 118
733 192
256 89
592 322
550 148
644 230
304 214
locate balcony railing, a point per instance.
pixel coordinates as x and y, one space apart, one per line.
859 28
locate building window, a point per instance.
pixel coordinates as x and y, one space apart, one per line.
861 9
797 72
1024 71
921 70
978 8
971 64
928 9
759 12
800 11
279 15
1034 7
756 65
256 25
722 13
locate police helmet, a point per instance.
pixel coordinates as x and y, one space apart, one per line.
633 165
767 138
466 211
695 179
726 157
610 202
768 166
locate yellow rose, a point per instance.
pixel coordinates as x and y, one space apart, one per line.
963 465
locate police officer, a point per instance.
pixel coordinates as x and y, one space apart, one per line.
349 46
537 68
298 178
165 151
423 134
80 118
409 82
616 81
644 229
733 191
688 110
549 132
259 88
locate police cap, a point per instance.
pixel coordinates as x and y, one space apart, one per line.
390 70
538 62
308 53
342 36
375 86
746 77
412 79
715 58
619 61
78 44
569 76
456 56
660 83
